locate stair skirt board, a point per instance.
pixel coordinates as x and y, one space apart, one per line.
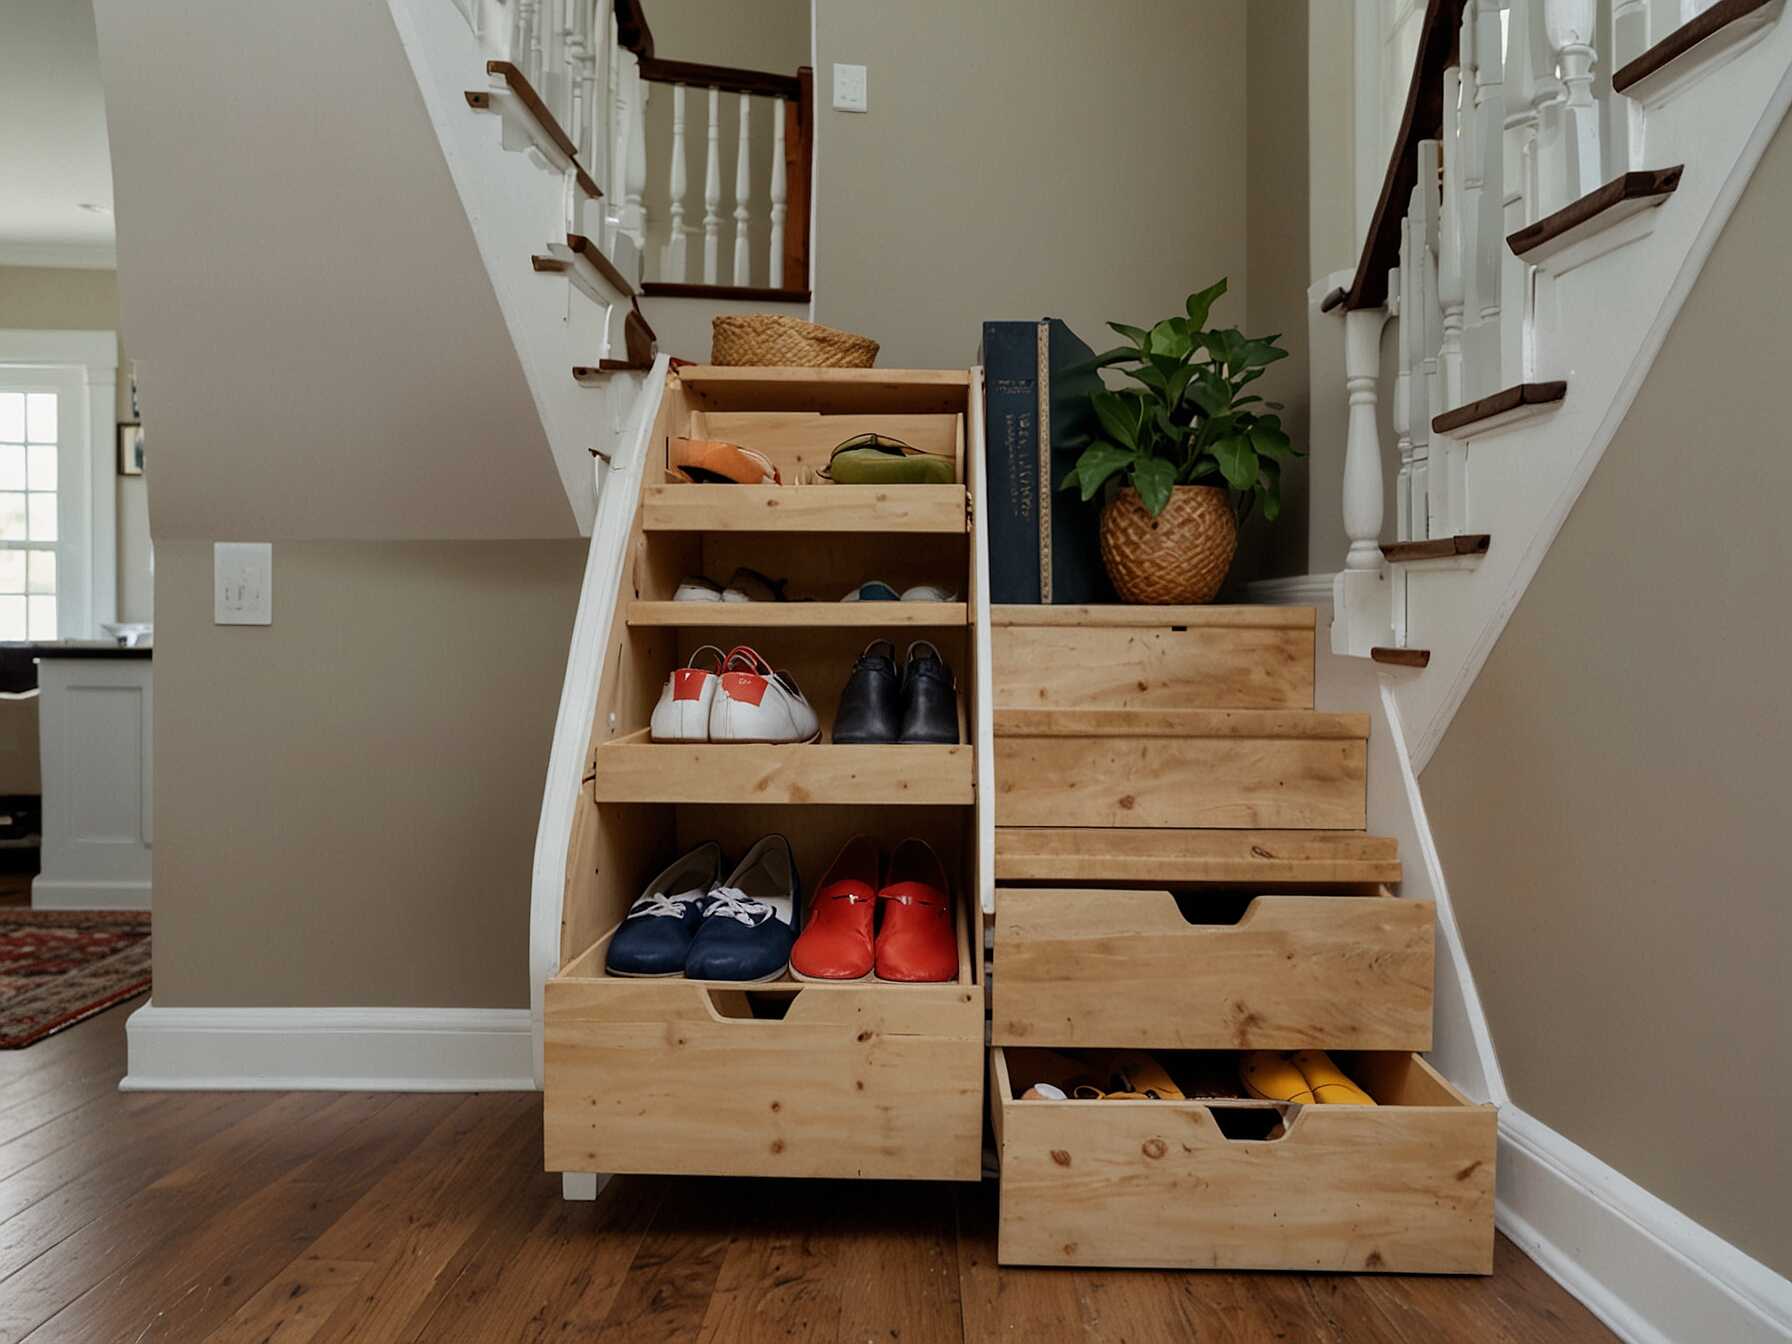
329 1050
1652 1274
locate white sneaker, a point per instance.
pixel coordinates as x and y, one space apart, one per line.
753 703
682 714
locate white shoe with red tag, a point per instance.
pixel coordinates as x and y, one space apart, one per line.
682 714
754 703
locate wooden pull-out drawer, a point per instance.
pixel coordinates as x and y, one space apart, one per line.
1080 967
1403 1187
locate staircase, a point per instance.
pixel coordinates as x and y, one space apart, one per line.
1562 171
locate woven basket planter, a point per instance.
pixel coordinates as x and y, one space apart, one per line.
771 339
1179 557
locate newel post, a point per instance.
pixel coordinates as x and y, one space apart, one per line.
1361 612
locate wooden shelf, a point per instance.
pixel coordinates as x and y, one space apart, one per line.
804 508
785 615
1436 548
1180 723
1134 854
1120 615
635 770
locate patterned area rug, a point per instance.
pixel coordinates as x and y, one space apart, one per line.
58 967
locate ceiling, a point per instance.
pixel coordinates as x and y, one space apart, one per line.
53 154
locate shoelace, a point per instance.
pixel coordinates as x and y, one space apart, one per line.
659 905
734 903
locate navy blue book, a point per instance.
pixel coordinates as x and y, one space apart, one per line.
1044 543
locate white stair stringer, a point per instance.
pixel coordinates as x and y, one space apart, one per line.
598 597
522 205
1601 323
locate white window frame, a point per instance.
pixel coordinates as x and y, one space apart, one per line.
83 366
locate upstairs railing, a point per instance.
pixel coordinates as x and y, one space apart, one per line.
1519 133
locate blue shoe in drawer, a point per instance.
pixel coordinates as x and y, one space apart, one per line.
655 937
749 922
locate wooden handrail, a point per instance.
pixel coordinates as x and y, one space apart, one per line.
727 78
1422 120
632 31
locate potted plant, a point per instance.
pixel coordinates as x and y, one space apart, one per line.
1192 452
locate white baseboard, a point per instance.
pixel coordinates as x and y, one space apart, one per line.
1298 590
1644 1268
329 1050
52 894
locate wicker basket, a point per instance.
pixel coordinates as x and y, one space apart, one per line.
773 339
1180 556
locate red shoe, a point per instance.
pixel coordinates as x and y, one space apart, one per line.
917 942
837 944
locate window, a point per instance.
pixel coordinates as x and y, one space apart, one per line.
29 453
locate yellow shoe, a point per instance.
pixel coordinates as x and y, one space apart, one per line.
1330 1086
1137 1076
1270 1075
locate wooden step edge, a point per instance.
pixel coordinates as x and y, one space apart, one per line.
940 510
1401 657
1685 38
584 248
1639 189
662 289
481 99
1245 723
1120 616
1436 548
1096 854
604 369
799 615
1504 407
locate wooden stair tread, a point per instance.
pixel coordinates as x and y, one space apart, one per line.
637 770
1634 190
784 615
584 248
1037 853
1244 723
662 289
1502 403
719 387
586 373
525 93
1402 657
1436 548
804 508
1683 39
1120 616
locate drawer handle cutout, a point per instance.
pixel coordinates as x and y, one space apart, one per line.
749 1005
1213 909
1253 1124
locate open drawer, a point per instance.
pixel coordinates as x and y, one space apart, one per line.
1211 971
1403 1187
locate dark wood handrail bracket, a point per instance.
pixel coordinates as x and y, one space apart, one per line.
632 30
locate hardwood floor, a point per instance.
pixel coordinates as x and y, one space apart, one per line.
281 1218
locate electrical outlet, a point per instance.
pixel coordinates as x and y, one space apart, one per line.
849 88
242 583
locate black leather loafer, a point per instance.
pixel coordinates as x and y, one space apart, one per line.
929 697
871 705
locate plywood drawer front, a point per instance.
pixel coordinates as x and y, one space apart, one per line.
1084 667
678 1077
1403 1187
1231 782
1124 968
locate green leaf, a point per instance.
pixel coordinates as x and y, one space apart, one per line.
1120 420
1256 353
1200 304
1238 461
1270 441
1170 337
1150 375
1210 391
1137 335
1120 354
1153 477
1099 461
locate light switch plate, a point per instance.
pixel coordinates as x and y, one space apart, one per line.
242 583
849 88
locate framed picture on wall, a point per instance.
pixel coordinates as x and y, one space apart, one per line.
130 449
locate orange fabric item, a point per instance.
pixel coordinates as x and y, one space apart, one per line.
837 944
917 941
702 459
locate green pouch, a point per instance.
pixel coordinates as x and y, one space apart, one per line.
876 459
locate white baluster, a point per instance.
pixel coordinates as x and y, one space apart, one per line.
590 26
1630 39
615 185
1468 161
672 258
1540 129
634 212
1449 257
712 192
1428 382
1570 24
1667 15
1362 450
1491 252
780 195
1397 292
743 191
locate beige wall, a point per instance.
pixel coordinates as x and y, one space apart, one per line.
1332 240
1610 802
41 298
346 799
1019 159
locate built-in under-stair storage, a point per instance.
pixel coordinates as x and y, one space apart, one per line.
1182 867
786 1078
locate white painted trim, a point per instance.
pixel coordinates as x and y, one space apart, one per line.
1297 590
329 1049
61 256
1652 1274
1426 737
51 894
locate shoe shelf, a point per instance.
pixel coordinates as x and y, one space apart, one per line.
786 1077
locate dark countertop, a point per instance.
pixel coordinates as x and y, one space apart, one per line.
77 649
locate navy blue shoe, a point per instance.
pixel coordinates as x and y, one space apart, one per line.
655 936
749 921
